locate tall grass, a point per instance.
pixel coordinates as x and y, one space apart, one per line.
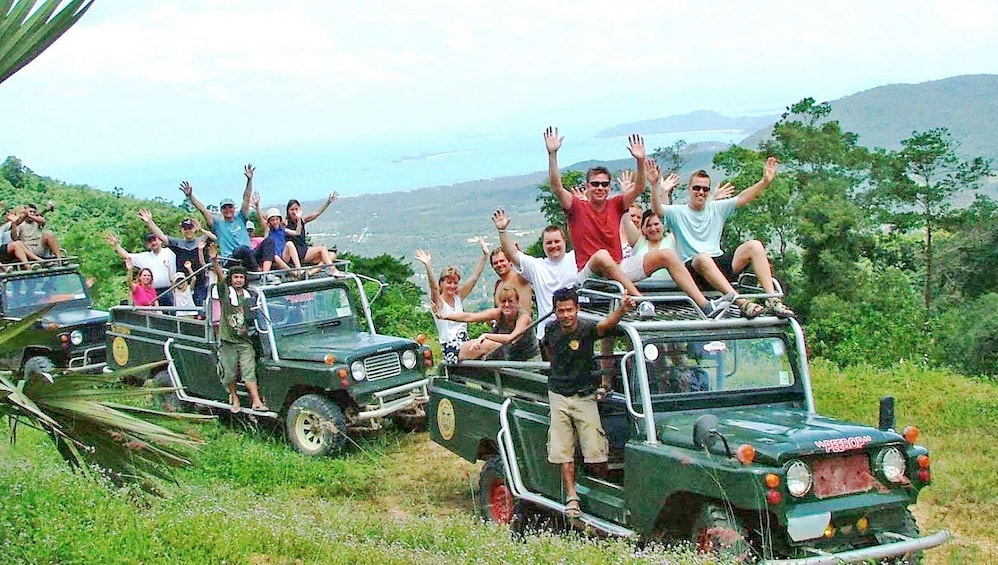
399 498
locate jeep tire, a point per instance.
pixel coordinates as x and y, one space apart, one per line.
315 425
167 401
717 531
495 499
36 365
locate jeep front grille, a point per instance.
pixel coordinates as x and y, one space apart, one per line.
381 366
838 476
94 333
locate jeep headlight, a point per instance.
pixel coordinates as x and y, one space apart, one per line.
409 359
799 478
76 337
892 464
358 370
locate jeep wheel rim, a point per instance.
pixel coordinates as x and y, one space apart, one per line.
500 502
309 428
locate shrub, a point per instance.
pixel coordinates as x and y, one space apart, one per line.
967 336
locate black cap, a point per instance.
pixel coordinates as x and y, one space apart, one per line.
151 236
187 223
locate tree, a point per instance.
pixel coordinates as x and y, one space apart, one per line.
913 188
551 208
826 167
671 158
24 33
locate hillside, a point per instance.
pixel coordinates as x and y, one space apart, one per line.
885 115
700 120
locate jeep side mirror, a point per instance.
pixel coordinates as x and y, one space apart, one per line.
705 431
886 413
382 284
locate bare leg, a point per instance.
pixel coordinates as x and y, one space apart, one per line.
754 253
233 398
667 258
568 479
291 254
51 243
603 264
708 269
254 391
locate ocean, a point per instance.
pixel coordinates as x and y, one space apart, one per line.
362 167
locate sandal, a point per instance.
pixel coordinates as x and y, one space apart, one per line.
779 309
750 309
572 509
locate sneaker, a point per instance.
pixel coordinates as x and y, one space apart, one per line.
271 279
716 307
646 309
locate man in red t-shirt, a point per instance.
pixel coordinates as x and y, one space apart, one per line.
594 223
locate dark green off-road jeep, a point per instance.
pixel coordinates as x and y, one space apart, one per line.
322 369
713 438
71 333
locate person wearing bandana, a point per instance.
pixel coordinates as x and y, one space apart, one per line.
235 351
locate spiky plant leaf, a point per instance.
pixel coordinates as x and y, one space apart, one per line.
25 34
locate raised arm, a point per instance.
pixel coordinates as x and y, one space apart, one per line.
465 289
606 325
188 191
255 201
146 216
216 266
36 216
248 171
522 323
625 180
501 220
661 194
750 193
553 144
208 234
116 244
424 258
636 145
329 200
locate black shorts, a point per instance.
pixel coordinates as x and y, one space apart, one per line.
5 255
723 263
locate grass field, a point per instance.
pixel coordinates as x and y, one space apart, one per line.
398 498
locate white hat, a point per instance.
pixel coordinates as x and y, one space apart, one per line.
250 225
178 276
273 212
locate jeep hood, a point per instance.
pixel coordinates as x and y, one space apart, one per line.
777 433
72 317
346 346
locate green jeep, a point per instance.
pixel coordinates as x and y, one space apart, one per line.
71 333
321 369
713 438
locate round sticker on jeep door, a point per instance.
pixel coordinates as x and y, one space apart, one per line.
445 419
119 349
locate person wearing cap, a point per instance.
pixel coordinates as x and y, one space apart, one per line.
160 261
187 251
183 297
275 230
230 226
255 239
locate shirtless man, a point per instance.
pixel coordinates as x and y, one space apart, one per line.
509 277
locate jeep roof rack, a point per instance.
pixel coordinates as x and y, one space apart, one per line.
602 296
277 276
44 266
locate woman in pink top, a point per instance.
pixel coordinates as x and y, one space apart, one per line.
143 293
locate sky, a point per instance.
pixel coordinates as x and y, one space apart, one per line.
181 81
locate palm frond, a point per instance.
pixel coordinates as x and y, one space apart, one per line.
25 34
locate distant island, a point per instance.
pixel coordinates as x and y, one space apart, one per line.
700 120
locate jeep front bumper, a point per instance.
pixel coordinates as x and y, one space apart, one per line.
415 394
903 546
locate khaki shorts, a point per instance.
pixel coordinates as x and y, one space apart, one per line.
582 412
236 358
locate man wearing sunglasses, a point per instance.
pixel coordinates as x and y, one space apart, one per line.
698 226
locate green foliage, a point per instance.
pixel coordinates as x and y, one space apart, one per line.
968 259
551 208
879 325
967 336
914 187
398 311
24 33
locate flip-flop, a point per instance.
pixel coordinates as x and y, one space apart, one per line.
262 408
572 509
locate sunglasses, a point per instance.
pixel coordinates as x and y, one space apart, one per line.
700 188
603 183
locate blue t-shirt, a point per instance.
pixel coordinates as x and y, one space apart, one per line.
280 237
698 231
231 233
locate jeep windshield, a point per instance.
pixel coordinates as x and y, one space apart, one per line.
704 365
24 295
325 308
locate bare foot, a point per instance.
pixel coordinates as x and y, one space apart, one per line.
234 401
